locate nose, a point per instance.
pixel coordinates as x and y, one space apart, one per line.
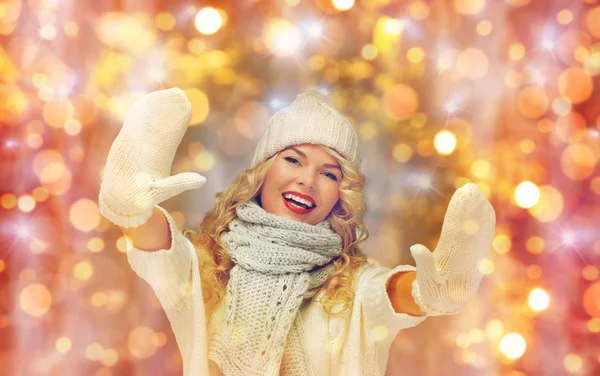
306 178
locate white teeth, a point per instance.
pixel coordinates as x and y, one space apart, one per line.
296 198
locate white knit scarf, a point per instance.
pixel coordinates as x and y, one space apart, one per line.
278 263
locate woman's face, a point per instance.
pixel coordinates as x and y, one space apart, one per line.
304 171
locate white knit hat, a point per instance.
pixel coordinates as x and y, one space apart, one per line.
310 119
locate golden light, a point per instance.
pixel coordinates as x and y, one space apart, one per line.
480 169
526 194
84 215
516 51
484 28
578 161
165 21
532 102
469 7
94 351
369 52
393 26
200 105
573 363
8 200
513 345
402 153
444 142
35 299
534 271
561 106
26 203
486 267
400 102
592 21
538 299
564 17
208 20
472 63
83 271
590 272
591 300
282 37
2 265
415 55
110 357
575 84
535 244
139 343
343 4
549 206
418 10
594 325
63 344
501 243
494 329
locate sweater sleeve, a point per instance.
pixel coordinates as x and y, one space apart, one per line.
378 312
174 276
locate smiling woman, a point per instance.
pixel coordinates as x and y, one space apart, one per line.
300 176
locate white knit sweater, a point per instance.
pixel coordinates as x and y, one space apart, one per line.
334 346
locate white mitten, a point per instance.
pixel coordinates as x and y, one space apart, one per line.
138 168
449 277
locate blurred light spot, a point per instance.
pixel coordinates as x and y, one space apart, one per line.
367 131
592 21
535 244
402 153
571 128
83 271
37 246
418 120
494 329
63 344
343 4
317 62
573 363
534 271
56 112
72 127
476 335
122 244
532 102
40 194
159 339
501 243
575 85
484 28
8 200
549 206
47 32
578 162
99 299
35 300
400 102
95 244
94 351
392 26
526 194
445 142
593 325
538 299
486 267
561 106
71 29
512 79
139 343
527 146
564 17
472 63
418 10
545 125
369 52
513 345
425 148
591 300
164 21
590 272
282 37
208 20
595 185
109 357
26 203
204 161
469 7
516 51
2 265
200 105
462 340
480 169
415 55
84 215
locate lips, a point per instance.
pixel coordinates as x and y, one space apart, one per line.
306 197
296 209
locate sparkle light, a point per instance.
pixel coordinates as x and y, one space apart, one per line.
538 299
208 20
513 345
527 194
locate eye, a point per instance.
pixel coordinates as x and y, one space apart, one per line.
290 159
331 176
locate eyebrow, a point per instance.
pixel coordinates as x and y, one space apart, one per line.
304 156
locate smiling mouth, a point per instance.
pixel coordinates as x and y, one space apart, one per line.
296 207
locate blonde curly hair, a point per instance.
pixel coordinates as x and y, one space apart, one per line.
346 219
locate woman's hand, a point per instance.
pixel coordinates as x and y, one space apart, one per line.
137 172
449 277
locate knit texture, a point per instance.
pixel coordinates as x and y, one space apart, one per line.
278 263
137 172
449 277
354 344
311 119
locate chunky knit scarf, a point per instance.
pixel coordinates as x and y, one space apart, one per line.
278 263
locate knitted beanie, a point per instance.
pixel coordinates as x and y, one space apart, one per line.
311 119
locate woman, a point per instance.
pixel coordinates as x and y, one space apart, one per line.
274 282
